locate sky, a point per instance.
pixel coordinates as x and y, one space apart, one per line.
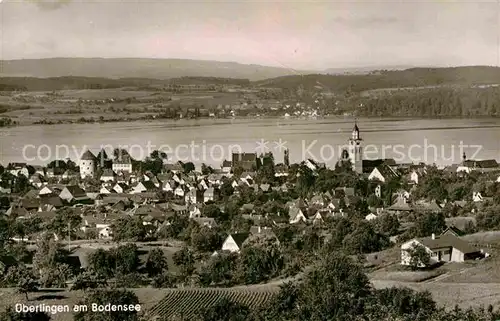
292 34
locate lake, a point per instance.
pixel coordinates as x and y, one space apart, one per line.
439 141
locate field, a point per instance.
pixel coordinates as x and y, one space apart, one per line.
126 103
450 294
187 302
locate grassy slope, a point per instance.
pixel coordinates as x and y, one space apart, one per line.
415 77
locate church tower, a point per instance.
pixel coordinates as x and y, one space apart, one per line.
356 150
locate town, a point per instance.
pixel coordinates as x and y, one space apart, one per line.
114 221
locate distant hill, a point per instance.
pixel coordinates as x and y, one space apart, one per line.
66 83
363 70
136 68
413 77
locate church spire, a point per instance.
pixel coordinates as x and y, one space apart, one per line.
355 130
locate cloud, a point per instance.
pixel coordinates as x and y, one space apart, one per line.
50 4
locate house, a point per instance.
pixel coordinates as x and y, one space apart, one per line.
174 168
313 165
105 190
193 196
49 203
73 193
40 170
478 197
316 218
226 167
382 173
296 215
5 188
120 188
205 221
247 161
209 195
400 206
280 170
108 175
37 180
194 211
483 166
145 186
370 217
69 174
452 230
45 191
101 225
370 164
234 242
122 164
18 168
442 248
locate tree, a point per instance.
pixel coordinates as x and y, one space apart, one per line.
206 239
65 223
212 210
114 297
224 310
88 280
126 258
335 289
388 224
260 260
102 262
219 270
206 170
188 167
184 258
129 228
364 239
428 223
27 283
50 262
419 257
404 302
156 263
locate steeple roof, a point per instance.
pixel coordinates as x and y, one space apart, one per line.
355 126
88 156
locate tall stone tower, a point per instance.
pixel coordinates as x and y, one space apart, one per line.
88 164
356 150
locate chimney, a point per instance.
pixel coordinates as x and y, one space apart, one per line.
433 236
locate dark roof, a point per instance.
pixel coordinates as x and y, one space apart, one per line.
447 240
244 157
226 163
149 185
453 230
370 164
488 163
123 159
30 203
51 200
386 171
239 238
76 191
108 172
88 156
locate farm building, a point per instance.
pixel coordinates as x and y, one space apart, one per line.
443 248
